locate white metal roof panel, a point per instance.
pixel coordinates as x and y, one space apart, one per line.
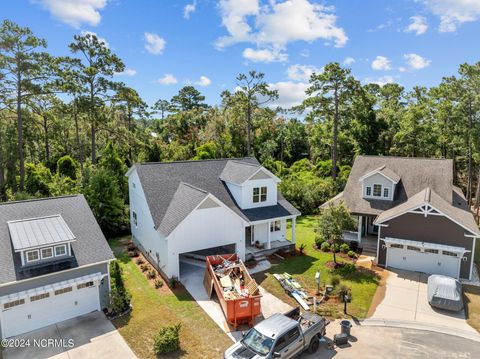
39 232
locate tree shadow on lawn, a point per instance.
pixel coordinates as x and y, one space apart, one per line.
292 265
358 275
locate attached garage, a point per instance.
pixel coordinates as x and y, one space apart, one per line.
36 308
430 258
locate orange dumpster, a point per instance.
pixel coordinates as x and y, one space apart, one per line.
237 292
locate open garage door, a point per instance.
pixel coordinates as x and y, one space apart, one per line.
197 258
424 257
38 308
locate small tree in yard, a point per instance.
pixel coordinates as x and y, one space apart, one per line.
333 221
119 296
167 340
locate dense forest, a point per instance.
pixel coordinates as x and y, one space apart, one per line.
67 126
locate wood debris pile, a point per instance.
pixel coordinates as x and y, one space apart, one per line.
234 281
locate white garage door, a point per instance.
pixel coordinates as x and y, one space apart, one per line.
427 260
51 307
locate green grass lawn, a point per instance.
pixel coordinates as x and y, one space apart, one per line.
303 268
152 309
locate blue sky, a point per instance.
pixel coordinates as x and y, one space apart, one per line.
168 44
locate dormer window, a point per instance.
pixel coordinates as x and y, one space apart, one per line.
385 192
259 194
47 252
60 250
368 191
377 190
33 256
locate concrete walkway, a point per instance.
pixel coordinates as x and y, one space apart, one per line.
191 277
88 336
406 301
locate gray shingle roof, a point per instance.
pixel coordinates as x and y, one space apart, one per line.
458 213
415 175
161 184
238 171
390 174
90 246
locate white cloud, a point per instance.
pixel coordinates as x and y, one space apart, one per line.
154 43
402 69
277 23
418 25
264 55
381 81
454 13
203 81
349 61
416 62
381 63
289 93
305 53
189 9
168 79
127 72
301 72
100 39
75 12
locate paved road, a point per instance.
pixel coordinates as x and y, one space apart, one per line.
385 343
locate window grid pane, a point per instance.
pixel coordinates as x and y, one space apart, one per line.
377 190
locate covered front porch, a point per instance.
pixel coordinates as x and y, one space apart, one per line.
366 234
266 237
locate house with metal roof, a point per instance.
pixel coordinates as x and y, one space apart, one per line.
197 208
54 263
410 215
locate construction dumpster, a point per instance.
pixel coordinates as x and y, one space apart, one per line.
237 292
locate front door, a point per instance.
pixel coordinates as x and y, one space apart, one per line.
249 236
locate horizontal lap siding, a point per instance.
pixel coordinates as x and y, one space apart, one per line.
431 229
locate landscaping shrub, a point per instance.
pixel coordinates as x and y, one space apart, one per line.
319 241
345 270
325 247
144 267
119 296
335 248
133 254
344 248
158 283
302 247
173 282
139 261
335 280
151 274
352 254
167 340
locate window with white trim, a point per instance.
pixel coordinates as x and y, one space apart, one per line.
32 256
396 245
275 226
385 192
47 252
377 190
34 298
429 250
259 194
85 285
448 253
63 290
60 250
13 303
368 191
413 248
134 215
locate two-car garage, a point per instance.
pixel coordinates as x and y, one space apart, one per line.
29 310
424 257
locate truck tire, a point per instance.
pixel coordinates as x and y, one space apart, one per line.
314 344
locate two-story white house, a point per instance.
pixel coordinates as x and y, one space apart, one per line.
206 207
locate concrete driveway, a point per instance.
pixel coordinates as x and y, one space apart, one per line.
385 342
191 276
92 336
406 300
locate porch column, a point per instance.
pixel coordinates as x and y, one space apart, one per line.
359 233
294 221
269 244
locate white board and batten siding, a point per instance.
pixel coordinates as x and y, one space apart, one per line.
243 194
261 232
144 232
377 178
210 225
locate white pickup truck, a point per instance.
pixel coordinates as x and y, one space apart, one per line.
280 336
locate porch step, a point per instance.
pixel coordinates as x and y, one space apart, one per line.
259 257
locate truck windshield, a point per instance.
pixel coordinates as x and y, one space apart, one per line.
258 342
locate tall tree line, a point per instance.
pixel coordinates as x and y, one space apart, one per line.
67 125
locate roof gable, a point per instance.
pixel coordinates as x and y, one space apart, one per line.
385 172
428 202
